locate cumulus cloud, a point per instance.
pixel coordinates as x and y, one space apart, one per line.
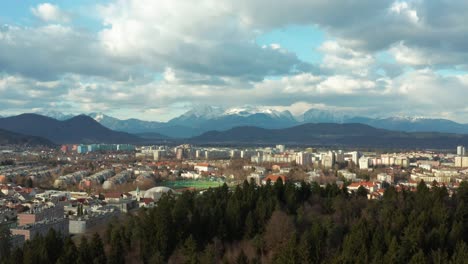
50 13
152 55
47 52
202 37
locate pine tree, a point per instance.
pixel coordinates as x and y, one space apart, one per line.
84 252
5 245
96 250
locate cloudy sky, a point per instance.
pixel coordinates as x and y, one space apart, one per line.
154 59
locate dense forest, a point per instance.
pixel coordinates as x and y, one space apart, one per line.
280 223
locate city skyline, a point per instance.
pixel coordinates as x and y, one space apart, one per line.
154 60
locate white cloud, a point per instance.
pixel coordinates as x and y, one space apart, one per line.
202 37
156 54
344 60
50 13
404 9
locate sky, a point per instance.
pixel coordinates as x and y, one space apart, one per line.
154 60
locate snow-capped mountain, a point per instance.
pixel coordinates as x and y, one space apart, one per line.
56 115
324 116
252 110
217 118
201 119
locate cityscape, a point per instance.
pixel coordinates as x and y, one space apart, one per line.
237 132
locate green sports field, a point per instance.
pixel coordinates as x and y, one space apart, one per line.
203 184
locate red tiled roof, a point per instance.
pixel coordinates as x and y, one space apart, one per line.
112 195
364 184
147 200
274 178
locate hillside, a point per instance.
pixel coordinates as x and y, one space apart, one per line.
345 135
11 138
79 129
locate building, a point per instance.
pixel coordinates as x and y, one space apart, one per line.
204 167
347 175
461 162
273 179
339 157
355 157
460 151
40 213
364 163
304 158
385 177
60 225
328 160
83 223
159 154
370 186
280 148
255 177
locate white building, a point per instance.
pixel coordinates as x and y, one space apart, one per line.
364 163
304 158
204 167
355 157
385 177
460 151
347 175
280 148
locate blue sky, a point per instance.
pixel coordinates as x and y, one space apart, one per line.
154 60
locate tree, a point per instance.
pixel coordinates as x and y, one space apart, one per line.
279 230
29 183
418 258
361 192
54 244
96 250
84 252
117 254
69 254
190 251
5 244
460 255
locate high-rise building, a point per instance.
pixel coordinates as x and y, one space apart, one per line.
328 160
364 163
460 151
355 157
304 158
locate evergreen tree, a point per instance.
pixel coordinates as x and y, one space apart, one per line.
96 250
5 244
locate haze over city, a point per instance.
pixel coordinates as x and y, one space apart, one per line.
155 60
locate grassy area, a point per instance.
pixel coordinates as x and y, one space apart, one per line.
197 184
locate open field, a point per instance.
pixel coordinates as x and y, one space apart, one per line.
197 184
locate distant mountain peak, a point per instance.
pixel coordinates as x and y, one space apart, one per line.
97 116
251 110
78 129
204 111
55 114
408 118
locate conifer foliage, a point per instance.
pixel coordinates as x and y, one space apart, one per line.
275 223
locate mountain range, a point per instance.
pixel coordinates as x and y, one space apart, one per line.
202 119
331 134
43 130
206 118
78 129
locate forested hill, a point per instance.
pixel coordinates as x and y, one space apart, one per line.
328 134
277 224
11 138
